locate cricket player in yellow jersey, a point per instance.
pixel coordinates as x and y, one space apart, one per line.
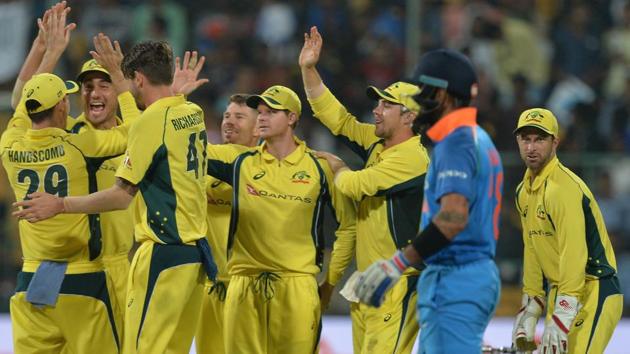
567 244
62 286
237 127
98 97
388 191
165 160
275 241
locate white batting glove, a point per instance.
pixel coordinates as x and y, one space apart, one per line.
556 336
524 330
380 277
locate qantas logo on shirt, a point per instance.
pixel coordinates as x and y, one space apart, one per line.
539 233
301 177
266 194
219 201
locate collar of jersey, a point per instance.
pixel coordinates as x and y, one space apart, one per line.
463 117
44 132
82 118
168 101
542 176
293 158
410 143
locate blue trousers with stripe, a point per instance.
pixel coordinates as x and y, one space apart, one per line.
455 305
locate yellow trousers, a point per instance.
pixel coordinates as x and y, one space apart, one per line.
209 336
82 320
602 305
390 328
163 299
272 314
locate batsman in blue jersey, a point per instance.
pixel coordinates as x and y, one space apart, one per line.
459 289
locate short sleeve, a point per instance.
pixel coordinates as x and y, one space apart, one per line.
145 138
455 168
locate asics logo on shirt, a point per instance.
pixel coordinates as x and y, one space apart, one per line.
259 175
540 212
215 184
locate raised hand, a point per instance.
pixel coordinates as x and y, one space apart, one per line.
110 57
309 56
53 29
185 77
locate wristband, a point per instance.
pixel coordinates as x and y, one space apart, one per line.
430 241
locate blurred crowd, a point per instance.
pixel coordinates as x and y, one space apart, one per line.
570 56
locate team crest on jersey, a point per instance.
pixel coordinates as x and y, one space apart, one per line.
540 212
301 177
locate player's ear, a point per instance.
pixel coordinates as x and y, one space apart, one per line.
292 118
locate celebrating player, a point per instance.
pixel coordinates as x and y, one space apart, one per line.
389 195
238 127
459 289
275 238
165 160
567 244
62 271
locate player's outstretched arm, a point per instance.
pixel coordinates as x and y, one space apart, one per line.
42 206
309 56
186 76
36 54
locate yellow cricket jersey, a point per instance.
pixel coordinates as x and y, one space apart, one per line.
388 190
564 234
219 196
166 159
54 161
276 222
116 226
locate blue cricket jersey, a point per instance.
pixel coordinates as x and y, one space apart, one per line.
466 162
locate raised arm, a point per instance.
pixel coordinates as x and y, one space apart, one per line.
309 56
185 77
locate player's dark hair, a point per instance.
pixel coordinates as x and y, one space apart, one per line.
32 105
239 98
154 59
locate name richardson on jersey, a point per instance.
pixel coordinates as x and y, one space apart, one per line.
36 155
187 121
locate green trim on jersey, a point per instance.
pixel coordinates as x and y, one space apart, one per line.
158 193
93 285
597 264
317 223
403 210
236 175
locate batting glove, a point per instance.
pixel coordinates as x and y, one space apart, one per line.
380 277
555 339
524 329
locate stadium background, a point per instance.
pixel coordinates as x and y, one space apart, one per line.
568 55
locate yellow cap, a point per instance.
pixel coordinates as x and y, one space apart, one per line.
277 97
539 118
47 90
90 66
399 92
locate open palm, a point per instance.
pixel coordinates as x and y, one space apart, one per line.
309 56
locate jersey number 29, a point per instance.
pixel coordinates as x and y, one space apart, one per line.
52 185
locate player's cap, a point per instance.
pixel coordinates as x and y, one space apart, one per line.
399 92
277 97
47 90
447 69
539 118
91 66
